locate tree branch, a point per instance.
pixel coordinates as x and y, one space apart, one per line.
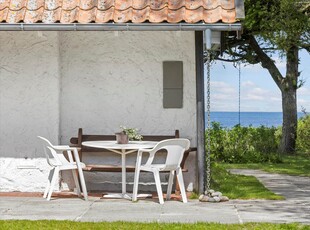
306 47
267 62
229 60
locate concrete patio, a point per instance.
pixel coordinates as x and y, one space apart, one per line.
296 207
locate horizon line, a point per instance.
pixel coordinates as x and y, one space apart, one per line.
250 111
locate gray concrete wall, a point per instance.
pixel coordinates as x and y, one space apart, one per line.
109 80
119 81
29 106
53 83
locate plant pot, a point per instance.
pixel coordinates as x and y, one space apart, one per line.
121 138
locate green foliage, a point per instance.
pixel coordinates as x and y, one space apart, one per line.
277 26
272 29
243 144
281 23
303 135
132 133
194 195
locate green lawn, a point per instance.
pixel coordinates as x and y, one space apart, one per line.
248 187
292 165
63 225
239 186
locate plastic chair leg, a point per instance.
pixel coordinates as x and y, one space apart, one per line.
76 181
54 178
82 180
135 185
181 183
158 187
48 184
170 183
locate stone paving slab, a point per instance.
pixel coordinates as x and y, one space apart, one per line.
38 208
296 207
273 211
116 210
236 211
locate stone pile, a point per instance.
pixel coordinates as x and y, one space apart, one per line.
212 196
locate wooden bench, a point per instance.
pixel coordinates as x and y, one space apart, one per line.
77 142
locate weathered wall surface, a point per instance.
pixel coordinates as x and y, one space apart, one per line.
29 106
53 83
111 79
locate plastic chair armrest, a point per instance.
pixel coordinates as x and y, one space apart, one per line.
144 150
63 147
141 151
70 156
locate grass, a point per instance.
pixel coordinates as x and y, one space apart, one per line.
248 187
298 165
239 186
63 225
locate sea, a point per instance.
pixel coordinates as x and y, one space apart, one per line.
255 119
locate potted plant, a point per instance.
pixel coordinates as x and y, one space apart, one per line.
127 134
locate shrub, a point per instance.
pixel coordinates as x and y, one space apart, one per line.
303 134
243 144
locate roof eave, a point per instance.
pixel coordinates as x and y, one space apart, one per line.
120 27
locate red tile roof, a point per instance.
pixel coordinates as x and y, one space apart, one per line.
118 11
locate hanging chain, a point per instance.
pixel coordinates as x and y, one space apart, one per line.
239 92
209 121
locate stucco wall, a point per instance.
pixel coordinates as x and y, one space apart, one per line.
119 81
29 106
109 80
53 83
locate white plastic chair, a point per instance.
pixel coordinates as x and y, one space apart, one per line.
175 151
59 163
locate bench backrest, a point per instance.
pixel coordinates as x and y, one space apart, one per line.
77 141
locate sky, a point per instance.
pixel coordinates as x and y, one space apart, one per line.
259 93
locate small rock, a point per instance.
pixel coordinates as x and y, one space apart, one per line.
190 187
203 198
217 199
209 191
211 199
224 198
216 194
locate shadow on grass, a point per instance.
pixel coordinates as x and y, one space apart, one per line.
297 165
239 186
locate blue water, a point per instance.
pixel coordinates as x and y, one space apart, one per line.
230 119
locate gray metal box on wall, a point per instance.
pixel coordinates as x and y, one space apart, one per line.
172 84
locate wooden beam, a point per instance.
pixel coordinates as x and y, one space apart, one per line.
200 103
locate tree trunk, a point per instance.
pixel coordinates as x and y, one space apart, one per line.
289 127
288 87
289 103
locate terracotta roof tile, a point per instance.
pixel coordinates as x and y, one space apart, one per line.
119 11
